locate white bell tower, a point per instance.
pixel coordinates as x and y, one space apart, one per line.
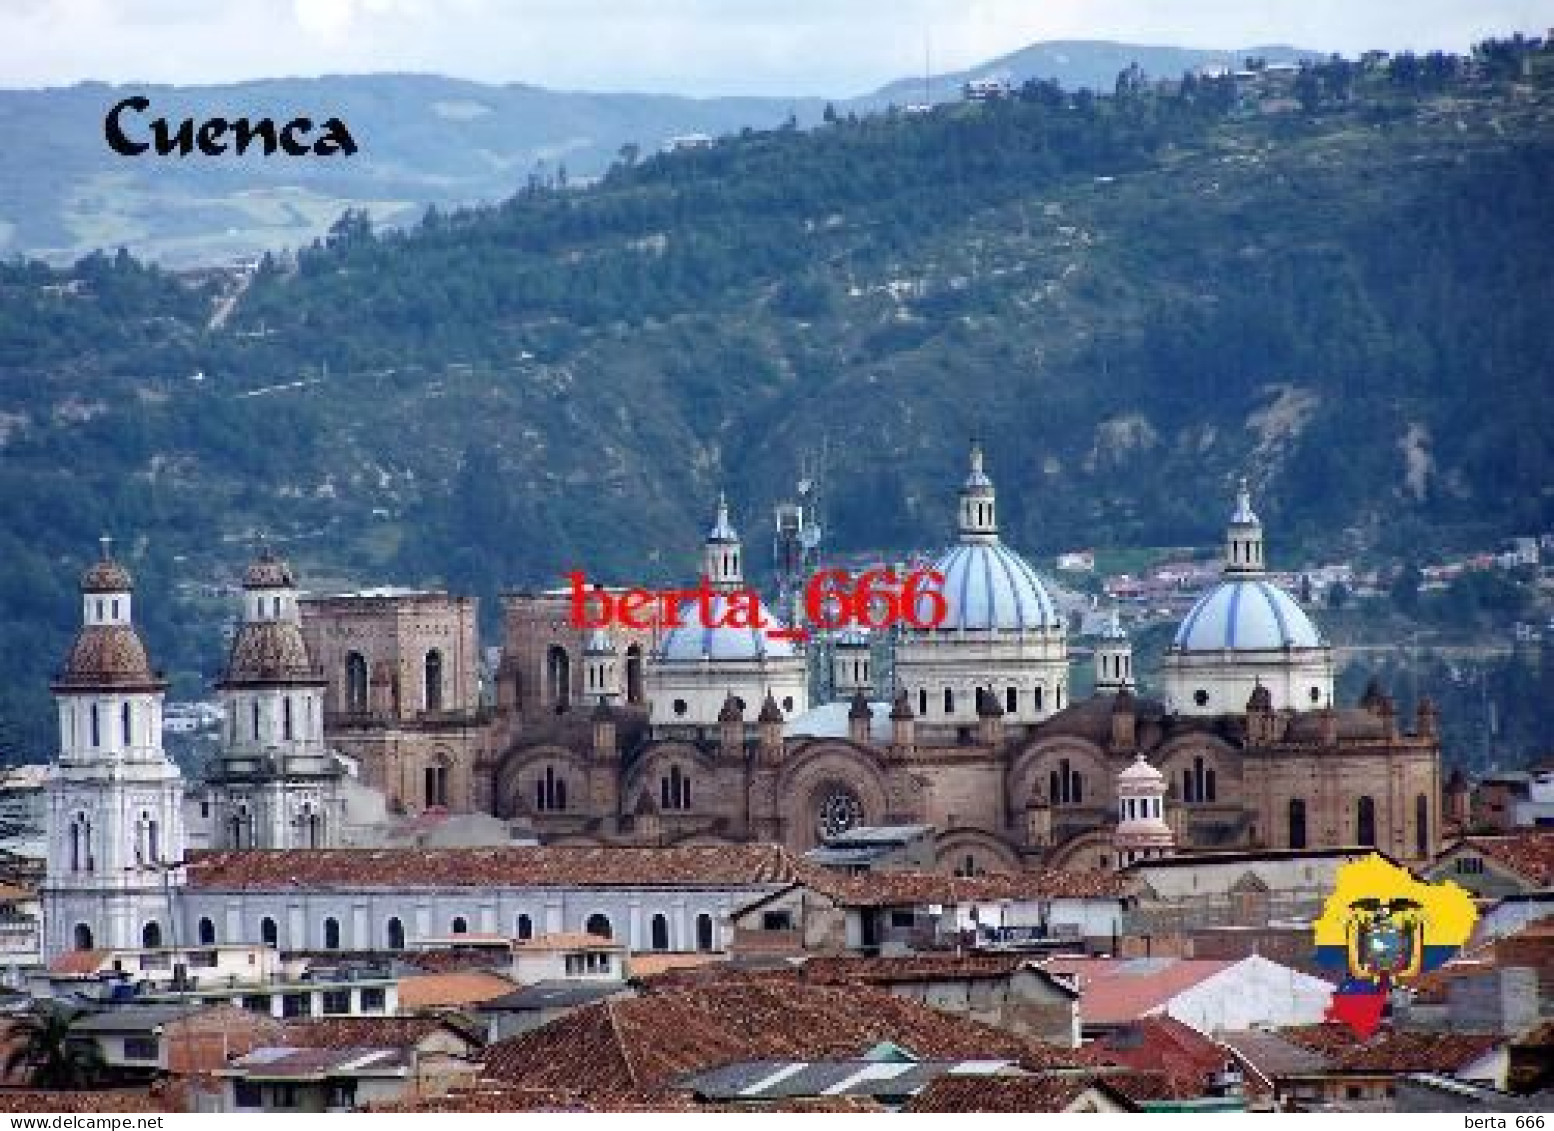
720 555
115 823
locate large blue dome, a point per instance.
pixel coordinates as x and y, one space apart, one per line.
1246 615
989 586
692 640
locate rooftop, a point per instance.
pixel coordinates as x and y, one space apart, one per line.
1529 854
645 1043
450 990
1117 990
716 866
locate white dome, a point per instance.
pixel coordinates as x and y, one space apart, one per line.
1246 615
692 641
989 586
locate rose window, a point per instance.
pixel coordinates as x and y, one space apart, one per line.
840 811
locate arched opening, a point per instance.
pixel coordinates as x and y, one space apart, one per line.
331 934
659 933
1011 701
97 727
558 677
599 924
1038 698
634 674
436 785
253 716
922 702
1421 826
83 937
206 931
949 701
288 730
433 680
396 934
355 682
674 790
151 935
127 725
460 925
525 927
1365 822
550 791
704 939
1297 823
269 933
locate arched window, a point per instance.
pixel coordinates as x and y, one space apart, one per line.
949 701
550 791
1058 702
675 789
83 937
1421 826
1297 823
269 933
460 925
433 668
1053 786
634 674
151 935
331 934
153 843
355 682
1198 782
1038 698
396 934
287 730
704 940
253 713
1011 701
436 785
207 932
558 677
525 927
97 727
660 933
126 725
1365 822
922 702
599 925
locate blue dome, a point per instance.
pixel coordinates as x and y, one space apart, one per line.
1246 615
989 586
693 641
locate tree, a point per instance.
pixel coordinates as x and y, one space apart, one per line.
43 1045
829 114
1308 89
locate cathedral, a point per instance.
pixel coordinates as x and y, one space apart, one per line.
706 734
695 735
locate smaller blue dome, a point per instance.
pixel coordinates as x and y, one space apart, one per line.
1246 615
692 641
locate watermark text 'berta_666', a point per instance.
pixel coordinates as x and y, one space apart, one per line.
833 599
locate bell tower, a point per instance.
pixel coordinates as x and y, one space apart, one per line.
277 784
115 822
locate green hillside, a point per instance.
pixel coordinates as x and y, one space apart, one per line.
1131 299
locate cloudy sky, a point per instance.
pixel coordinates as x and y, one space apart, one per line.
838 47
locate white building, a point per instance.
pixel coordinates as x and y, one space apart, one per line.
725 653
1246 633
115 826
276 785
1001 633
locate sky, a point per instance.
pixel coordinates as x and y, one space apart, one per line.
697 47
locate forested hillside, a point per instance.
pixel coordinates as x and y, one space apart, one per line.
1342 292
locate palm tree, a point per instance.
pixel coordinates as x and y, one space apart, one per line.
41 1042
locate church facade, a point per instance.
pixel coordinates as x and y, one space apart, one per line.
979 736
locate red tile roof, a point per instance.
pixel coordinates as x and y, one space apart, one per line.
1529 854
567 940
1115 990
425 991
946 1095
722 865
1185 1056
78 961
648 1042
839 969
29 1100
1392 1051
400 1032
895 889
